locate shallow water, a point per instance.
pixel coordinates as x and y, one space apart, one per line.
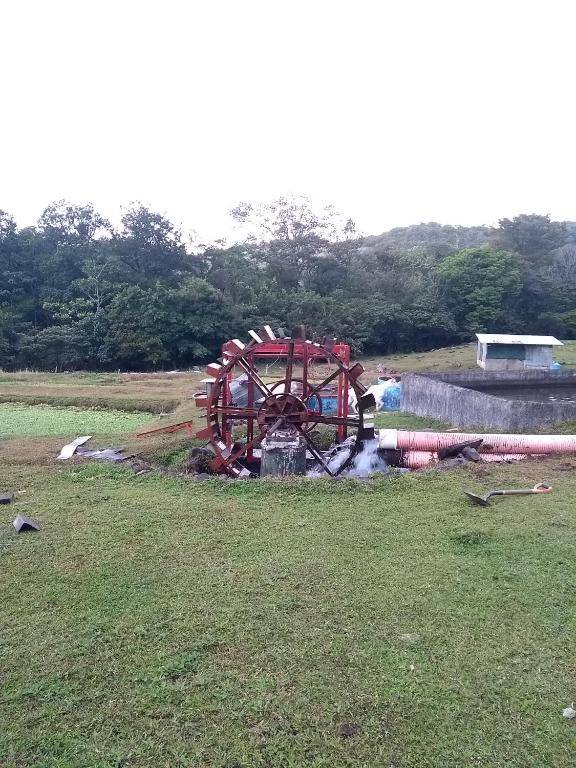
365 463
543 394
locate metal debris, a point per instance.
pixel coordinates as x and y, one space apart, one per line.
70 449
106 454
471 454
458 449
22 524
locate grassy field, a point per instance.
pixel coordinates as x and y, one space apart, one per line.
162 622
43 420
167 392
159 622
156 393
450 358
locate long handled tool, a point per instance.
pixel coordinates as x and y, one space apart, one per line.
483 500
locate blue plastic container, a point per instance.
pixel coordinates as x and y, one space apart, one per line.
391 398
329 405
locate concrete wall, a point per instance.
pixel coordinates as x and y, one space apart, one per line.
439 396
505 378
503 364
539 357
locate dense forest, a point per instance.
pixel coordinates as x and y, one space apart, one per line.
77 292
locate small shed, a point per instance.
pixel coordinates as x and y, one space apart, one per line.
507 352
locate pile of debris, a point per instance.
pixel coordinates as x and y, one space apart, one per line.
460 454
76 448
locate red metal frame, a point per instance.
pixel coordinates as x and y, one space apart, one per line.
302 351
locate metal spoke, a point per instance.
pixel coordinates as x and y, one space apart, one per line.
319 418
245 365
234 412
320 386
277 424
348 460
252 444
313 450
289 365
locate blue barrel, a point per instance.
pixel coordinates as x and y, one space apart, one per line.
391 398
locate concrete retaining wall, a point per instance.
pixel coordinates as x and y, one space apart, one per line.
504 378
444 396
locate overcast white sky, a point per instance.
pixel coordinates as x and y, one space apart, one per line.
458 111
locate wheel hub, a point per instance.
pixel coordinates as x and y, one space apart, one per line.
284 410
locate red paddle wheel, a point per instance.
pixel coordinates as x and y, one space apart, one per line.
304 388
290 397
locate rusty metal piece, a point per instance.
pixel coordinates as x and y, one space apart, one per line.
167 429
356 371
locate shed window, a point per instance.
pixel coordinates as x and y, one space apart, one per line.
506 352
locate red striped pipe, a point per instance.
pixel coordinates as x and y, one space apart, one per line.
515 444
420 459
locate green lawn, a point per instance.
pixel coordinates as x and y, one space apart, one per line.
161 623
44 420
158 622
450 358
402 420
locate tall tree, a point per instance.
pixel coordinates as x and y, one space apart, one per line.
481 287
530 235
293 237
66 236
160 325
149 248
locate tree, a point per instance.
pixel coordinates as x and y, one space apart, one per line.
17 271
235 271
67 236
160 325
56 348
293 238
530 235
150 248
7 338
63 223
481 287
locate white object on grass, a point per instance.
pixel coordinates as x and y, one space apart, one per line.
70 449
